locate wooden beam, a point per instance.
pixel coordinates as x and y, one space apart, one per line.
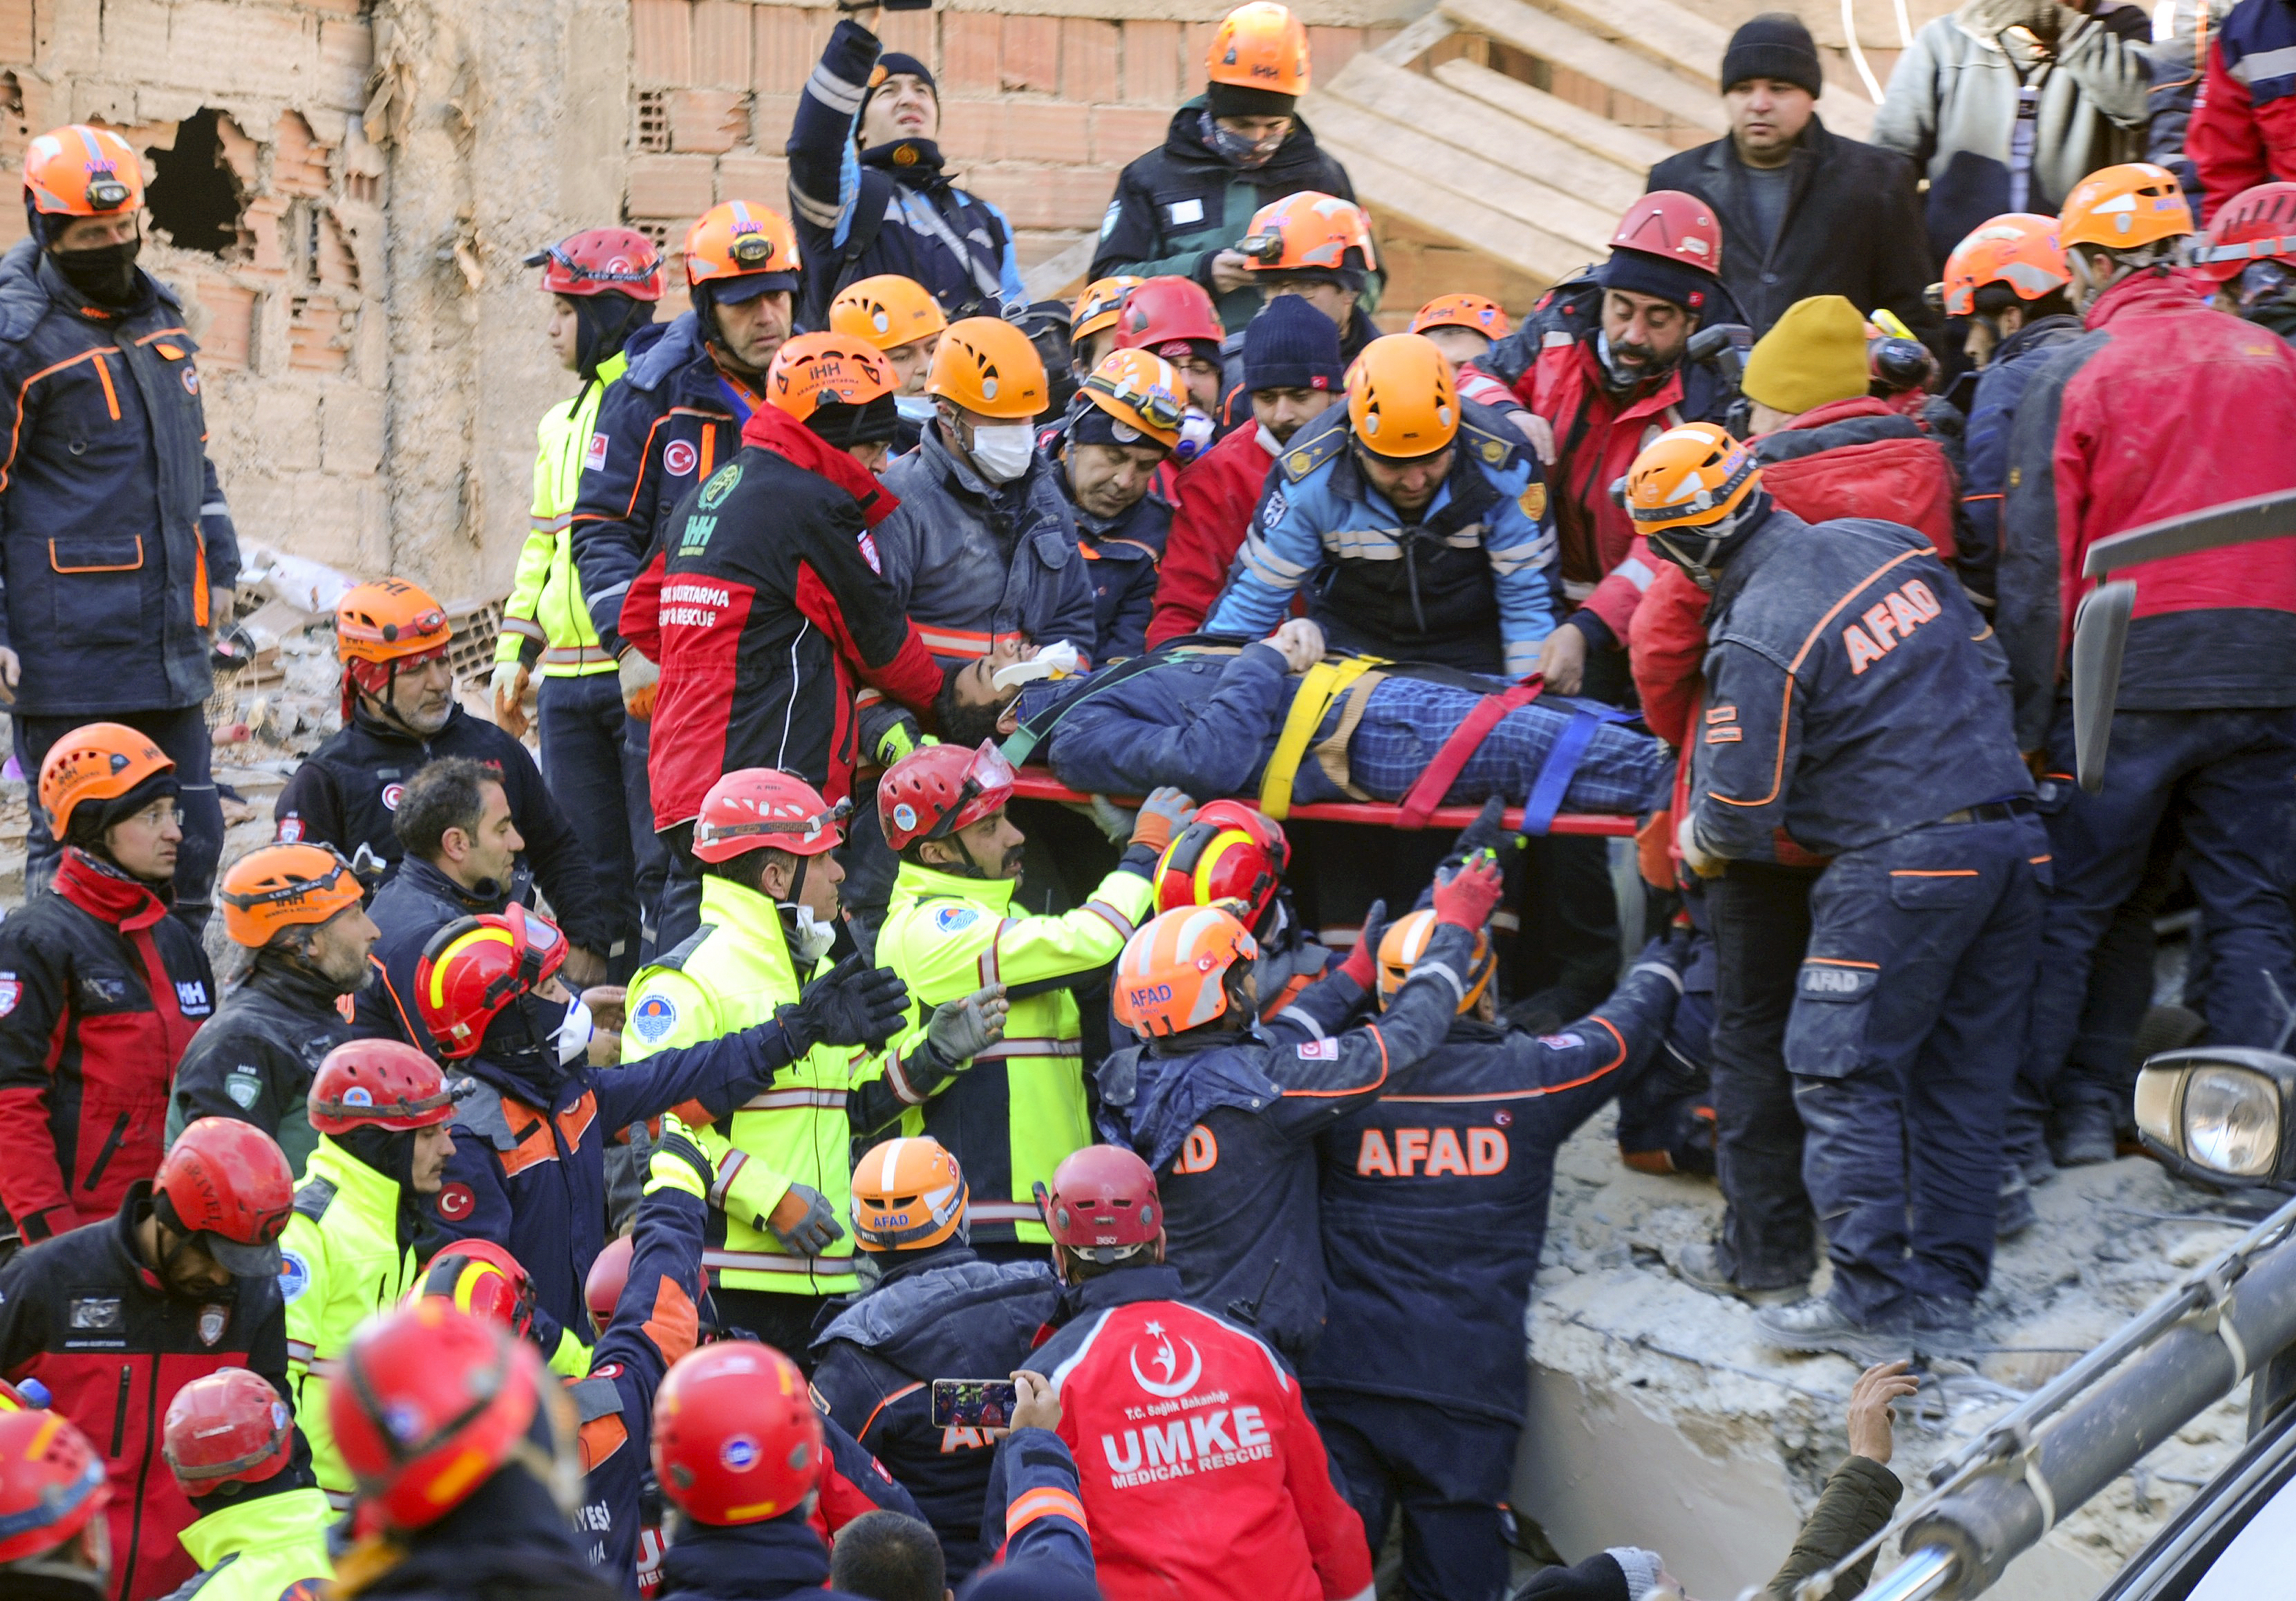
1417 40
1552 39
1669 34
1469 223
1050 277
1636 152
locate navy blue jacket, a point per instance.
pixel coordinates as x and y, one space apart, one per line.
414 905
1852 693
1122 555
1227 1127
508 1543
113 526
669 421
1985 461
1435 1202
937 1314
747 1562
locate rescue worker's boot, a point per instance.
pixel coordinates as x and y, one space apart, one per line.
1707 1266
1818 1324
1943 1326
2013 1213
2083 1136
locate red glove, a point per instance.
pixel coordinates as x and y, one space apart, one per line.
1363 962
1467 897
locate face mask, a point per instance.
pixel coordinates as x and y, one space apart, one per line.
1236 150
1002 452
914 408
105 275
574 1031
814 937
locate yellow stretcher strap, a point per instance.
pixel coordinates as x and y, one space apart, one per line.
1317 690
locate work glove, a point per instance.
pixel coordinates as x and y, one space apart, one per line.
510 682
1465 899
1488 832
851 1003
1165 812
641 678
677 1162
1363 962
1112 820
1686 840
808 1233
961 1029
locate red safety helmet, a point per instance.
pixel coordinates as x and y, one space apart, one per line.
760 809
229 1183
1673 226
378 1084
428 1404
735 1437
1229 851
475 967
601 261
1161 311
930 793
2253 225
1102 1205
52 1483
229 1427
481 1278
602 1291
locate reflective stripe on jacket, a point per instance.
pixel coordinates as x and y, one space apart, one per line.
545 613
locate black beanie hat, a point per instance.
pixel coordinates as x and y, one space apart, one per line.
894 64
1245 100
1773 45
91 819
1291 346
1642 273
836 423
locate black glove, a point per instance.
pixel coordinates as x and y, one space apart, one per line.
851 1003
1486 832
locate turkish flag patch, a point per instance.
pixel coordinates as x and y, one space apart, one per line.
456 1203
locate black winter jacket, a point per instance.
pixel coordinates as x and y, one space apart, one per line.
409 909
255 1057
113 526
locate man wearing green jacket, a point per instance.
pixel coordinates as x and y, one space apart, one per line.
261 1534
951 925
769 907
602 284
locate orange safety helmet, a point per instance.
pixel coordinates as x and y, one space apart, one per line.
812 370
1406 941
1686 491
2256 225
1097 305
1403 397
2018 249
887 310
1306 231
82 171
476 967
2123 208
51 1486
97 761
735 1437
986 365
1171 977
1471 312
908 1195
385 628
1142 392
738 240
1259 47
1229 852
282 887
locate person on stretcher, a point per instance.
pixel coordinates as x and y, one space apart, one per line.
1219 720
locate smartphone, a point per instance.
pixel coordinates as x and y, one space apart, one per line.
974 1403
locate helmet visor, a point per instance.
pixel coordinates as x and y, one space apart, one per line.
241 1260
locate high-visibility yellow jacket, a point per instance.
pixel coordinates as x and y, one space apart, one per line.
545 612
259 1550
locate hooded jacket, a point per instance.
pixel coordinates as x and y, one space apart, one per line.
508 1541
254 1058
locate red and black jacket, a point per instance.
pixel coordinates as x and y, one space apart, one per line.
767 610
100 991
83 1316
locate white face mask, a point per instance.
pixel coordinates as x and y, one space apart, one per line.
574 1032
814 937
1002 452
916 408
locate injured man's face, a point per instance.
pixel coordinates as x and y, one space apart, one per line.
973 695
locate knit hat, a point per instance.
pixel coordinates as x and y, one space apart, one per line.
1812 357
895 63
1773 45
92 820
1638 272
1244 100
1291 346
1599 1578
1640 1567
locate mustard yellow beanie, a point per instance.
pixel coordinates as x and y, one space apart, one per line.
1814 356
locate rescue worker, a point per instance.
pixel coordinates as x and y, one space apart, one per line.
51 1487
1463 326
766 842
1186 207
122 555
1232 1496
770 610
1417 530
464 1455
603 285
1174 318
2008 280
101 991
871 193
1464 1153
1118 434
399 716
1905 1031
675 414
1228 1120
1092 321
953 922
2236 139
2206 719
262 1529
2250 255
298 909
935 1310
901 318
1319 246
1292 372
115 1318
1233 852
528 1167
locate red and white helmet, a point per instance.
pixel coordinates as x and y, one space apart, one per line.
760 809
601 261
1230 850
1675 227
229 1427
378 1084
930 793
2256 225
1102 1205
735 1437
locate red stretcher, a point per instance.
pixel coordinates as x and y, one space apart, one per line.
1038 784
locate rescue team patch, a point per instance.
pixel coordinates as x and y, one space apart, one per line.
869 553
12 990
679 457
721 484
294 1276
905 816
1432 1153
243 1085
456 1203
96 1314
595 456
290 830
1164 1361
1319 1050
955 919
655 1017
1179 214
1562 1042
192 997
1824 979
739 1453
214 1319
1533 502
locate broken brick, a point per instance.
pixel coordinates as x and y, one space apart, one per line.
709 121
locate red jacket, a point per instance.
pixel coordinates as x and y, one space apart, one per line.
2243 126
100 991
1213 498
1201 1477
